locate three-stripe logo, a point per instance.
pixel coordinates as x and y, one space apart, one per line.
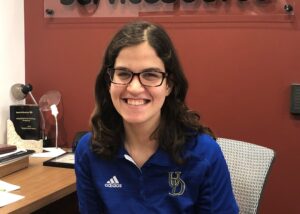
113 183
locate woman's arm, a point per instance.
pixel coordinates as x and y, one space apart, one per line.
89 200
216 194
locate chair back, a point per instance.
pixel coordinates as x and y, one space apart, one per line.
249 165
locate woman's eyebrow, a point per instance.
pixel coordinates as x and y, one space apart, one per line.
121 67
152 69
145 69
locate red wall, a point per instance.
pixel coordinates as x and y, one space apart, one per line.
239 73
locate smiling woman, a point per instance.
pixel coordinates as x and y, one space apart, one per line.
147 150
135 102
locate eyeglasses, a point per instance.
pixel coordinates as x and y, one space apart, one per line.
149 77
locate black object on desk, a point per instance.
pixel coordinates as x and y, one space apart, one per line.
65 160
26 120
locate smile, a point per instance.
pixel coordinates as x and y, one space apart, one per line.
136 102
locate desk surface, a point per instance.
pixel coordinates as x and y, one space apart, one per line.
41 185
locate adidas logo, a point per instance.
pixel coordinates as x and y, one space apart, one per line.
113 183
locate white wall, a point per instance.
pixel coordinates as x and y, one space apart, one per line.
12 56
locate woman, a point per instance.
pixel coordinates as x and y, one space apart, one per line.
147 152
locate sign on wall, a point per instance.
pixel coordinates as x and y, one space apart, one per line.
182 10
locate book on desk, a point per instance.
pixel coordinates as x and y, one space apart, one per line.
4 148
14 161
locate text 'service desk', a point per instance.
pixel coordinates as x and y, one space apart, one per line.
41 185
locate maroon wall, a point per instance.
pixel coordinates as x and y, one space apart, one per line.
239 73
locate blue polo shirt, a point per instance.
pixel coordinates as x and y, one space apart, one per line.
201 185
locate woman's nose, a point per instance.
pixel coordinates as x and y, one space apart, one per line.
135 85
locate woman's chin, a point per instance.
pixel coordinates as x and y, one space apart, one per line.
134 120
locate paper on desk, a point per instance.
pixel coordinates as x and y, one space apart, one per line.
7 198
7 187
50 152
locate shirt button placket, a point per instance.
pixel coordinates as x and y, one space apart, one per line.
142 187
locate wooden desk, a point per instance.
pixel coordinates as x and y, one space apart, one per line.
41 185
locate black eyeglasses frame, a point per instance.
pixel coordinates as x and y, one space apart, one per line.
110 70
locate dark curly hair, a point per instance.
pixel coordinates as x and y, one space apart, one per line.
177 122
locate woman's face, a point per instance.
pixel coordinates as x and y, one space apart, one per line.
138 104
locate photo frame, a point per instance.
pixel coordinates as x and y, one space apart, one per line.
66 160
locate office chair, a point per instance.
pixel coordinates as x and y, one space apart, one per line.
248 165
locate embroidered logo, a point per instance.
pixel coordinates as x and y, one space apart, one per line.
176 183
113 183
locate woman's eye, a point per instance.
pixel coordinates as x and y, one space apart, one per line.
151 75
123 74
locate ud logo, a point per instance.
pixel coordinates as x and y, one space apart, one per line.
176 183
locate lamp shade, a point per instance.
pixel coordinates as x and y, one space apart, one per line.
16 91
50 98
19 91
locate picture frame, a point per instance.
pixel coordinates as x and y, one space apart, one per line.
66 160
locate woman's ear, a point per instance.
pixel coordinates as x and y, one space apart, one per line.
169 88
108 86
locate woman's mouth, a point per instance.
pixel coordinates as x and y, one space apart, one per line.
136 102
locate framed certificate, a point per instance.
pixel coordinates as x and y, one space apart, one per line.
65 160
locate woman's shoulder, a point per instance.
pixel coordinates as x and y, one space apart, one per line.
203 146
84 144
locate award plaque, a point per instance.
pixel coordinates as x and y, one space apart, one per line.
26 120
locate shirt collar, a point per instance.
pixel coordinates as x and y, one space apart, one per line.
160 157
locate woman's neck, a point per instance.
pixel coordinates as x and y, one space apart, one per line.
138 135
138 143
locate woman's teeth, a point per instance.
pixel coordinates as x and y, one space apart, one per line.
136 102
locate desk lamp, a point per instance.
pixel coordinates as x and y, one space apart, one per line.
20 91
49 102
